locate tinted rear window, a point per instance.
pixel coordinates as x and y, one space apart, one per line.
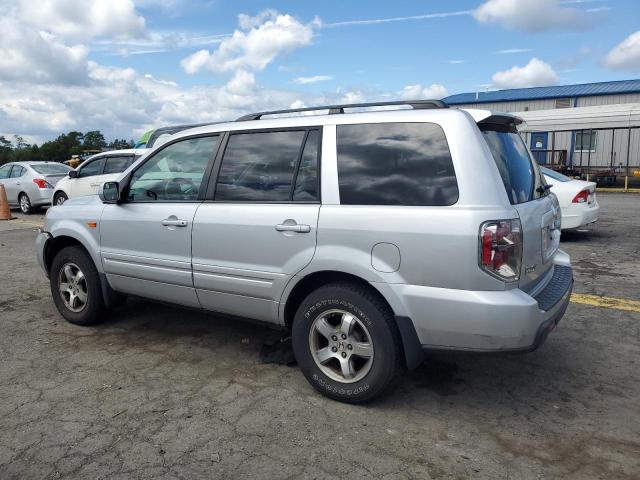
259 167
555 175
395 164
51 169
514 163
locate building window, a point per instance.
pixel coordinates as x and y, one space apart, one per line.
563 103
586 141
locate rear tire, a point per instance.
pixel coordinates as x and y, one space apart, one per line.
59 198
347 343
25 204
75 286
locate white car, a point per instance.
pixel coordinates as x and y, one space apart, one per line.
577 199
93 172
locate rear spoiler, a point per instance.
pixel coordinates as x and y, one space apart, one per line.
487 117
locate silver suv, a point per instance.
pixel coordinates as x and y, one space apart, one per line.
373 235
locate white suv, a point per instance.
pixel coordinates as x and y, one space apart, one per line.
373 236
94 171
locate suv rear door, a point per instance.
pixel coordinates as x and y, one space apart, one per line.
537 208
258 226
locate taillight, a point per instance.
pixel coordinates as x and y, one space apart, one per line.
501 248
581 197
42 183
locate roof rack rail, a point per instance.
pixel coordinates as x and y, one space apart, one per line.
335 109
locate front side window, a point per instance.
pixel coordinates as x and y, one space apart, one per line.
260 166
395 164
17 171
116 164
175 173
519 172
4 171
91 168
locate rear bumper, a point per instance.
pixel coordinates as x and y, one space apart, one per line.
41 197
487 321
579 216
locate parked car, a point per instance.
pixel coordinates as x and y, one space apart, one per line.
30 184
373 236
93 172
578 204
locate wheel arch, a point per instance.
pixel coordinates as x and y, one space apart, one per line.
411 346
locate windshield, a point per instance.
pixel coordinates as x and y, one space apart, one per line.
520 174
555 175
51 168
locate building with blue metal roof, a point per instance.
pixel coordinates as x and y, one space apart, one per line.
574 147
540 93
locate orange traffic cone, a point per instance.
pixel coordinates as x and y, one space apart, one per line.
5 212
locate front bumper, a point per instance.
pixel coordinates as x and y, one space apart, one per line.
41 248
487 321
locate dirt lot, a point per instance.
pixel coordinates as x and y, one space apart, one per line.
159 392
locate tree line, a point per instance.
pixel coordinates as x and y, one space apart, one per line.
58 150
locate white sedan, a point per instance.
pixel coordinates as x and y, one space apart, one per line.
577 199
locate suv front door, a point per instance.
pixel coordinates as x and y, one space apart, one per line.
146 239
258 227
88 179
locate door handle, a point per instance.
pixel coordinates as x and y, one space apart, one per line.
282 227
174 222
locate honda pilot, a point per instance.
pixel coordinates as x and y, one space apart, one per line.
372 234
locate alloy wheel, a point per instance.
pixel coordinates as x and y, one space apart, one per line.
72 285
341 346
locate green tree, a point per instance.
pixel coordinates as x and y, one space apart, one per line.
94 140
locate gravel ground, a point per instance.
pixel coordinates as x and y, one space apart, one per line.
160 392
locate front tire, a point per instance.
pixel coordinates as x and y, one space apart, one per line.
347 343
25 204
59 198
75 286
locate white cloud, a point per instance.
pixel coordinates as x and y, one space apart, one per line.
455 62
536 73
533 16
258 42
377 21
81 19
509 51
625 55
313 79
31 56
418 92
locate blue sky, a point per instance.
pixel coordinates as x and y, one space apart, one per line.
388 56
127 65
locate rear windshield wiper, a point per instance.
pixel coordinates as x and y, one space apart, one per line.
542 189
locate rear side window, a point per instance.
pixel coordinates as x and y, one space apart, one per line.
116 164
262 166
395 164
17 171
517 170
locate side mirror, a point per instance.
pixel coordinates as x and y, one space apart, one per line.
73 174
110 192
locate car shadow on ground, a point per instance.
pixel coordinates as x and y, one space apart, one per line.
470 376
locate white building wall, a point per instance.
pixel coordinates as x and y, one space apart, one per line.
601 157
